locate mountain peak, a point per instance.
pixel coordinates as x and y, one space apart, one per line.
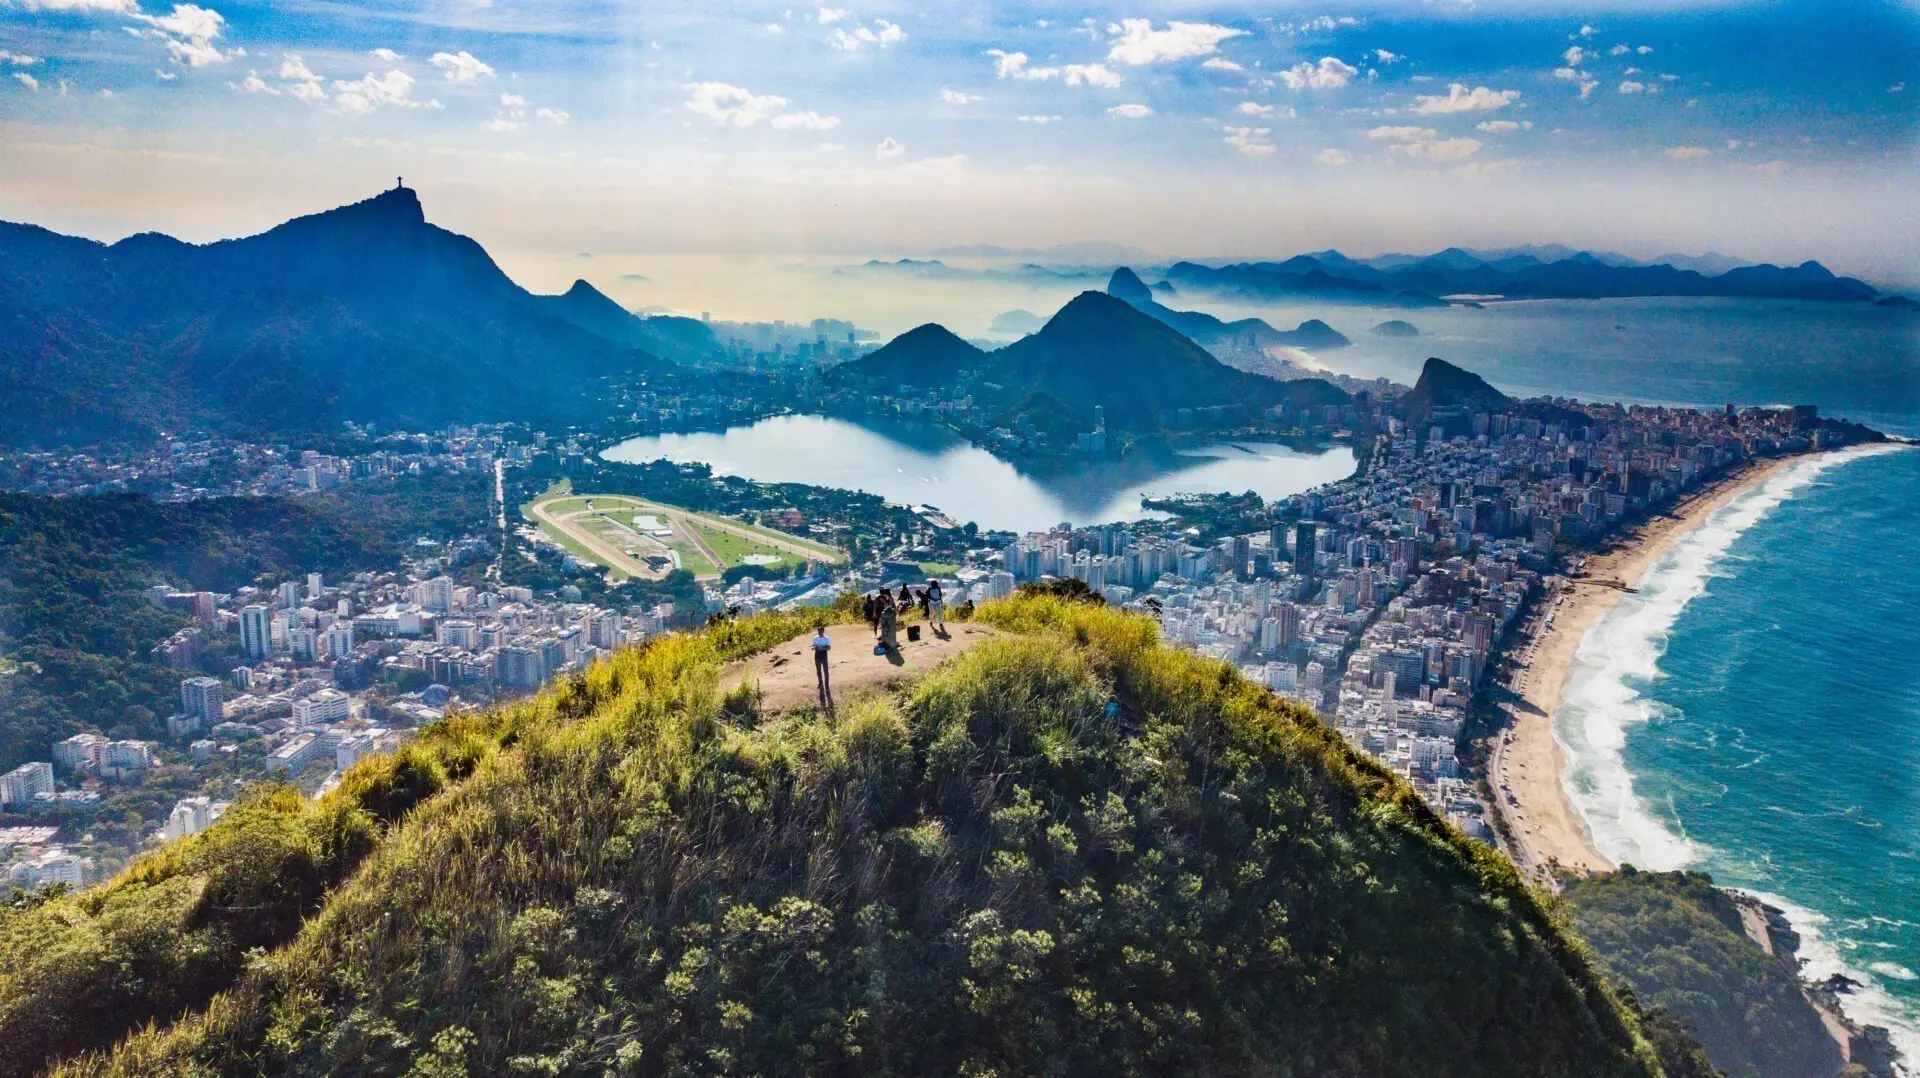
1447 389
1127 285
400 205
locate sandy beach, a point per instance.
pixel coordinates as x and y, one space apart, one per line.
1525 764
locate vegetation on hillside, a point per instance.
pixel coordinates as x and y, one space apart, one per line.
980 872
1678 941
73 572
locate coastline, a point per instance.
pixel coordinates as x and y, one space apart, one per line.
1526 765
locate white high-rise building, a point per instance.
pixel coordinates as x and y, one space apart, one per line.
313 586
256 630
203 697
17 787
339 639
436 595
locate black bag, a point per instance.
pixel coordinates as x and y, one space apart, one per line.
913 633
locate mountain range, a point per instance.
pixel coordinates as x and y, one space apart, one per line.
1517 274
1097 351
1216 334
365 313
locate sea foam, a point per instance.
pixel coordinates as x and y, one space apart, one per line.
1621 653
1603 700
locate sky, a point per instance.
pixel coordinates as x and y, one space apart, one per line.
555 129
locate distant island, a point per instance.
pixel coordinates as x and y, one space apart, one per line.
1397 328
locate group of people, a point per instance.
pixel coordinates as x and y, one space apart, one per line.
884 609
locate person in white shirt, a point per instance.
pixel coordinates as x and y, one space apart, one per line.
934 607
821 645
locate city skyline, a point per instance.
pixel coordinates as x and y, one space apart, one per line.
1773 132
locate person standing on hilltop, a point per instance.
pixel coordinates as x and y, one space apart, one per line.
870 609
822 644
889 624
935 604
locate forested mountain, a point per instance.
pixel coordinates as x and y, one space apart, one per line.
365 313
977 871
1097 351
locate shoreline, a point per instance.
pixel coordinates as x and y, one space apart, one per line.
1526 767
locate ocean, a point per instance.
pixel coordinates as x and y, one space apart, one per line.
1754 712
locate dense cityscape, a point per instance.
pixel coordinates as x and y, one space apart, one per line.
1381 601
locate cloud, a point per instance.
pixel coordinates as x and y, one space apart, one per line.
294 66
1255 108
1330 73
1574 55
1039 119
1629 86
1401 134
1321 24
1504 127
386 54
254 84
1586 87
1252 141
955 97
830 15
1138 43
512 114
556 117
27 80
1588 31
804 121
888 148
189 32
1461 99
18 59
1568 74
1896 87
1688 153
1013 65
1620 50
1386 57
1775 169
311 93
731 106
1446 149
363 95
852 41
1130 112
1221 63
460 66
1331 156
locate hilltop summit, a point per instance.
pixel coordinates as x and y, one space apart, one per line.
977 871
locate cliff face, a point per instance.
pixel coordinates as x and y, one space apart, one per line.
980 870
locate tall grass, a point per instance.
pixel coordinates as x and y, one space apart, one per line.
979 871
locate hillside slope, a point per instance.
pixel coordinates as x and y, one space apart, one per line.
1679 942
365 313
976 873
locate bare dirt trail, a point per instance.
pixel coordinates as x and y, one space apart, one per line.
785 674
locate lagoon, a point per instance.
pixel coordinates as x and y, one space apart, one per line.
920 464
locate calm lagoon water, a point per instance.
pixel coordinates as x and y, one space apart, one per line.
916 464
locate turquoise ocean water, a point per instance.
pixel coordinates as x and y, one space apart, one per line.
1755 712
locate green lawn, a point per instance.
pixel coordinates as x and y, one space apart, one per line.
734 549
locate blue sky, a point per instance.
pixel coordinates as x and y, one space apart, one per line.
1775 130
